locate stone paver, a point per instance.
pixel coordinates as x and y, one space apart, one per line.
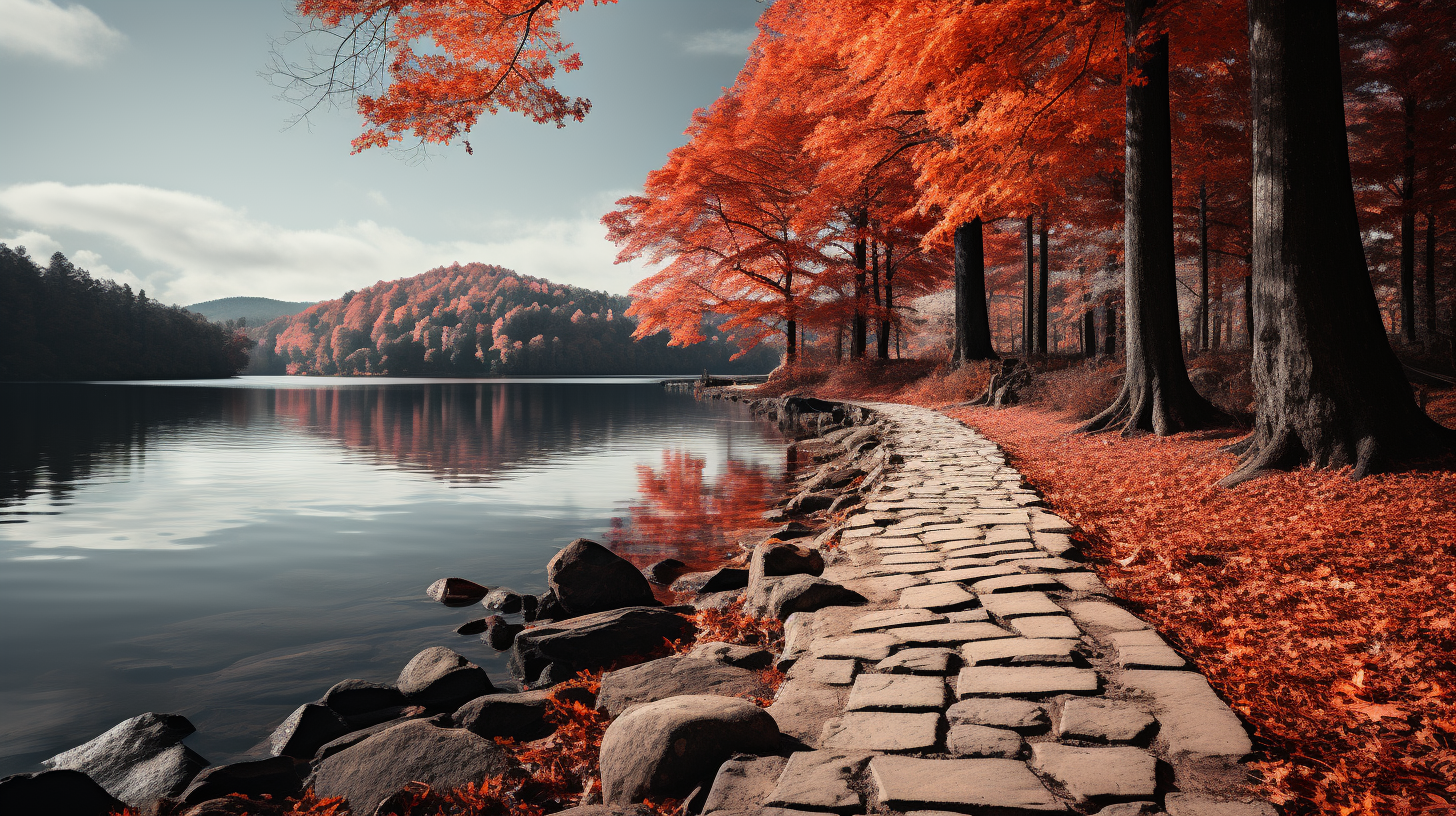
882 731
1003 786
1025 681
1098 775
898 692
967 573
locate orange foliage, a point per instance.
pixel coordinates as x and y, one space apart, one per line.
1320 607
732 625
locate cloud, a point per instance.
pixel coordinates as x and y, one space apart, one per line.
205 249
721 41
73 35
38 245
377 198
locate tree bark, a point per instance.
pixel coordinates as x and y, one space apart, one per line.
1043 277
791 341
1203 266
882 326
1028 297
1328 388
1249 305
882 337
1408 224
1156 395
973 322
859 328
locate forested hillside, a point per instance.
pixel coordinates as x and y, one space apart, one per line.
476 320
59 323
253 311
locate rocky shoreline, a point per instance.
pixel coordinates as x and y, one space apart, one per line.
909 554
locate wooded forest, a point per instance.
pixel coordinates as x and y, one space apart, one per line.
476 320
59 323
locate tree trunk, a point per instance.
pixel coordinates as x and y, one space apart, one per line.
1156 395
1109 337
1408 225
973 322
858 327
1431 274
1203 266
1041 294
1249 306
1028 297
1328 388
1089 333
791 341
882 336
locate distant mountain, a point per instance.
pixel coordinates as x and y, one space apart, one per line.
255 310
481 320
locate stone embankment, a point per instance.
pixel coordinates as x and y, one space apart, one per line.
945 651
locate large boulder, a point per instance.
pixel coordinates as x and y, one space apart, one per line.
442 680
414 751
781 597
305 731
521 716
503 599
349 698
744 657
586 577
675 676
500 633
663 572
456 591
274 777
664 749
353 738
554 652
55 793
775 558
139 760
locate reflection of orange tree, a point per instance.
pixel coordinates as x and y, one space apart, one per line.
680 514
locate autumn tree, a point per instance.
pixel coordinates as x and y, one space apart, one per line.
428 68
1329 389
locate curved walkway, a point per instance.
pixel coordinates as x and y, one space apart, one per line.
990 673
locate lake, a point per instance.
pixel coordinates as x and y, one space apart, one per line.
228 549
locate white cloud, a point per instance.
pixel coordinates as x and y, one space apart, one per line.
721 41
207 250
38 245
376 197
39 28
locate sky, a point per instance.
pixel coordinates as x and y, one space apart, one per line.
142 142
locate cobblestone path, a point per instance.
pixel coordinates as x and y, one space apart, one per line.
990 673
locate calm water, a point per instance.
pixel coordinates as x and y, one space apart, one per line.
227 550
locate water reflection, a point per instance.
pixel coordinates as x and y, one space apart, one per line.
227 551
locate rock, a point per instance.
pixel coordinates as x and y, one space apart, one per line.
1141 809
781 597
586 577
351 697
949 634
672 677
456 591
803 706
1054 627
274 776
474 626
1193 721
719 580
442 680
1019 651
1144 650
529 607
1021 716
226 806
355 737
138 761
499 633
546 607
663 572
664 748
548 654
828 672
414 751
55 793
1002 786
305 731
503 599
937 597
1020 605
1103 721
744 657
743 783
898 692
820 781
1104 615
873 646
605 810
813 502
882 731
1098 775
783 558
521 716
967 740
791 531
892 618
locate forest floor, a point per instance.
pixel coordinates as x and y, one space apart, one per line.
1321 608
